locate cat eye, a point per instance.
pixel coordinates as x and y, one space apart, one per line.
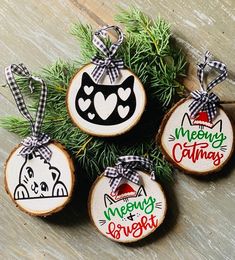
30 172
44 186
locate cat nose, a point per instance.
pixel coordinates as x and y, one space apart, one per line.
35 185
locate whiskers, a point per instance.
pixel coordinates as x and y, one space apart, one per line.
102 222
223 148
158 205
171 138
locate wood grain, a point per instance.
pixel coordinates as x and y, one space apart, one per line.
200 221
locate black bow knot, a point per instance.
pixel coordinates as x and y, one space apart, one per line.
127 168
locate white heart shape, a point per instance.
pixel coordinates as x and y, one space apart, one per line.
104 107
91 115
84 104
88 90
123 111
124 94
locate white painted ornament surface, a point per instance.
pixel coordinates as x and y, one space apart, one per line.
105 109
196 145
130 213
39 187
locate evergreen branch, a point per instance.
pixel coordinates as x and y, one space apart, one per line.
83 33
149 52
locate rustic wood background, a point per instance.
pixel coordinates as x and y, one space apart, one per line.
200 223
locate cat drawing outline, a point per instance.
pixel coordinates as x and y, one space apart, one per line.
42 181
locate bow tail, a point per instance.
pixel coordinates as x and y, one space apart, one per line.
97 72
115 182
26 150
45 152
133 176
195 107
113 73
212 106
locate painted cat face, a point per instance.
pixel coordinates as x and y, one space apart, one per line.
105 104
131 212
127 197
39 181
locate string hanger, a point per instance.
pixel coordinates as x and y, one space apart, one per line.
37 141
110 65
204 100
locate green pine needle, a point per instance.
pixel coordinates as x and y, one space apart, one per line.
149 52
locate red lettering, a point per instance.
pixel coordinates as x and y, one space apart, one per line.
195 152
136 229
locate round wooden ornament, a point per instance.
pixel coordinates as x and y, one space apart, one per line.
130 212
104 98
39 173
39 187
196 135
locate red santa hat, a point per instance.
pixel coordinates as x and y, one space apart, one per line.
202 119
124 191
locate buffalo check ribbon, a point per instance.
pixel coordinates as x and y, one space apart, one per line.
203 100
109 64
126 168
37 141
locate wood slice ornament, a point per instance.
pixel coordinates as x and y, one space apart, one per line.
124 203
104 98
39 173
196 135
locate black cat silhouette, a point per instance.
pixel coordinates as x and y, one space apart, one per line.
42 181
105 104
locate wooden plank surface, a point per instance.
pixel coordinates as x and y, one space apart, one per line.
200 223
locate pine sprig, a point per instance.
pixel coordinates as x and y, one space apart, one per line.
84 33
149 53
163 62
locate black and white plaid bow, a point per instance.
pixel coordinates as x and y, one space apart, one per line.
110 65
38 140
203 100
126 168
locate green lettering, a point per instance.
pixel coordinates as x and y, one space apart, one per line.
215 139
220 139
147 205
150 205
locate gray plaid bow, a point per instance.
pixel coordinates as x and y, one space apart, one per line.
38 140
126 168
32 143
203 100
110 65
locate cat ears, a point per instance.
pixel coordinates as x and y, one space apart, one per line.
188 122
128 82
55 173
87 80
109 201
141 191
53 170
